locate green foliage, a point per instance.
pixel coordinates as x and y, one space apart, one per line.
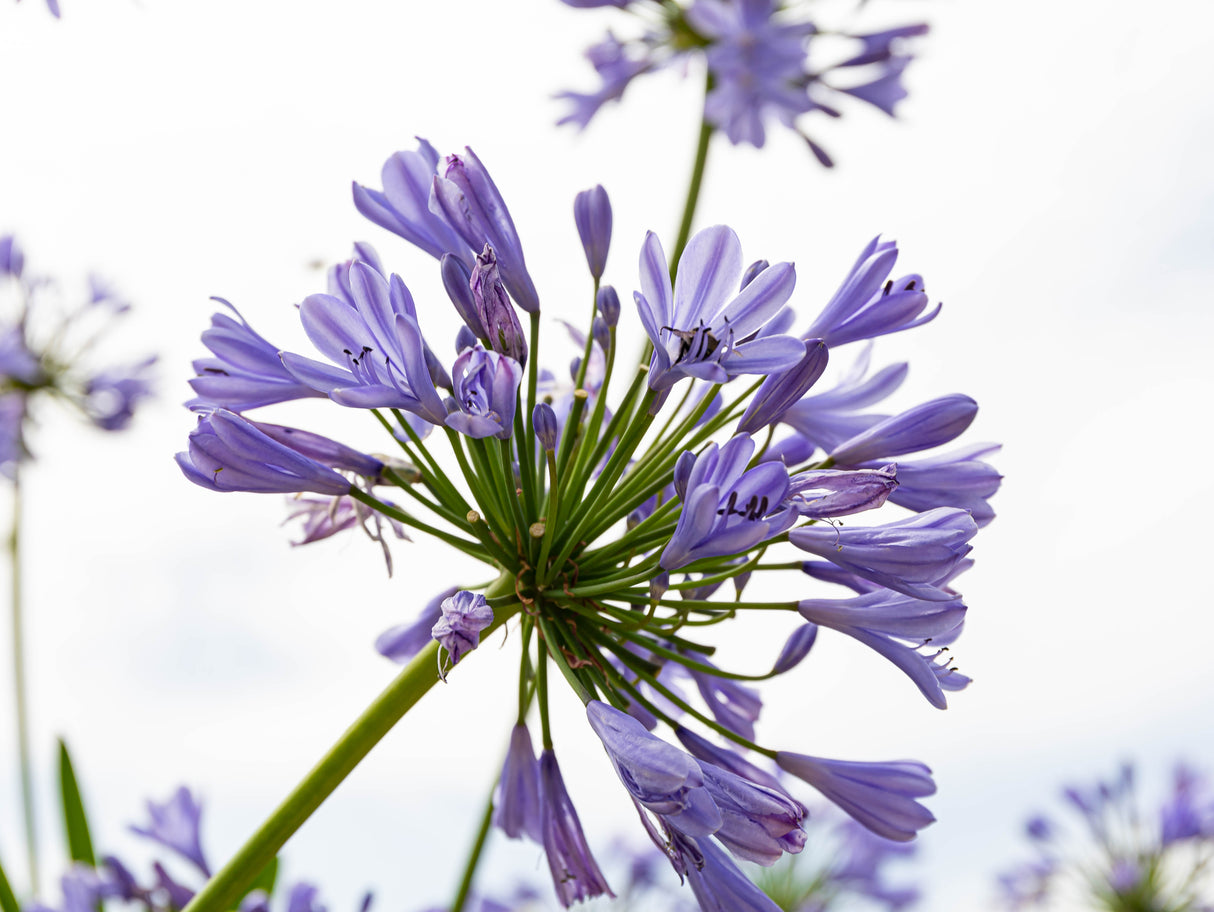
79 843
8 902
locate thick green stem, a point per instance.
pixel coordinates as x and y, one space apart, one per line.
23 744
224 890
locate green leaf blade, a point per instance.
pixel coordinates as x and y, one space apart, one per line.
79 842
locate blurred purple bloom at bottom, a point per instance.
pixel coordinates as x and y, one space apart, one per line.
175 824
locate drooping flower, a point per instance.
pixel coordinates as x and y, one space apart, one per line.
913 556
895 626
575 874
464 616
517 811
882 796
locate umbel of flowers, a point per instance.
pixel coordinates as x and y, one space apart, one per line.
45 355
623 510
1109 852
765 60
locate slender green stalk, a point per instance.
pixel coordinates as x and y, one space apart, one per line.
21 698
474 857
474 549
222 891
693 187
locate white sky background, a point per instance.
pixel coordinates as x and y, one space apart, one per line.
1049 176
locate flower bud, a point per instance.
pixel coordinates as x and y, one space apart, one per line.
608 303
493 307
543 419
601 333
457 279
12 260
592 213
752 272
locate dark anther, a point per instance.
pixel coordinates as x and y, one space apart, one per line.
888 286
728 509
215 370
910 286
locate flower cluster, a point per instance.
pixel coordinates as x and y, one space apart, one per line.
613 528
42 357
174 825
764 61
1120 858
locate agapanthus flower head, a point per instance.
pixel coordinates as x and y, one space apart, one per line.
757 53
1108 850
47 353
628 510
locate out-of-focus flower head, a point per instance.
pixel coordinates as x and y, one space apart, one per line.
47 354
766 61
1108 851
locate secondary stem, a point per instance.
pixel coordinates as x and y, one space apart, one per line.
224 890
465 884
23 746
693 188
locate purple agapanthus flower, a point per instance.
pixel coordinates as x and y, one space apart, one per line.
869 303
727 508
464 616
887 622
702 327
517 810
575 874
486 393
230 453
914 556
757 53
879 795
175 825
376 343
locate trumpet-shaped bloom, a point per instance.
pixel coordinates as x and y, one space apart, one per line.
575 874
517 811
869 303
230 453
727 508
920 428
781 391
245 372
377 344
879 795
471 204
883 620
718 884
914 556
703 326
112 395
494 310
957 479
486 392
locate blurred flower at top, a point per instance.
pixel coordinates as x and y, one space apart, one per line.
45 354
1110 851
766 61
